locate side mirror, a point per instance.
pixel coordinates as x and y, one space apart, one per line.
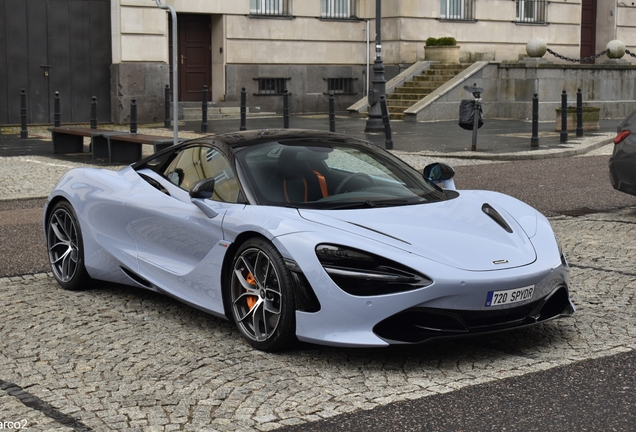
437 172
202 189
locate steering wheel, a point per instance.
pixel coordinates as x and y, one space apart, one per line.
345 181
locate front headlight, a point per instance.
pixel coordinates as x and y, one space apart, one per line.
364 274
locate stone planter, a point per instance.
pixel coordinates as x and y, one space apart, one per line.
444 54
590 119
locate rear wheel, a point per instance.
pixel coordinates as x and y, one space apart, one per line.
262 296
65 247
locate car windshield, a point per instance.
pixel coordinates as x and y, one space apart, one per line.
331 174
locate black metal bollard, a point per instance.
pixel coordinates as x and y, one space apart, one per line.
579 113
166 122
332 112
94 113
204 110
243 108
286 109
388 142
534 140
24 133
564 117
57 116
133 116
473 146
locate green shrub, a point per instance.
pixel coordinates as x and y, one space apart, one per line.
443 41
431 41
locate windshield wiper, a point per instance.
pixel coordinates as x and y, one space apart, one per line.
372 204
350 205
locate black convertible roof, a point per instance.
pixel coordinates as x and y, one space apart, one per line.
239 139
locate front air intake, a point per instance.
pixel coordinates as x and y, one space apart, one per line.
494 215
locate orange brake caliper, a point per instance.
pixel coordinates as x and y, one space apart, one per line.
251 301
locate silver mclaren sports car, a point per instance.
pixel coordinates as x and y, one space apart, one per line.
311 236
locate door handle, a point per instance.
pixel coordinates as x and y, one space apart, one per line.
182 58
46 69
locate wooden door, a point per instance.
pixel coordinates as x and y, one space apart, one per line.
588 29
194 56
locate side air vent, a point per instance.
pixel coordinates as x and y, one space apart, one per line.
494 215
138 279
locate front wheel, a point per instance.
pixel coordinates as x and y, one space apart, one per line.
65 247
262 296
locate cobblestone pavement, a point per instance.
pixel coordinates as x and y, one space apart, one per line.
116 358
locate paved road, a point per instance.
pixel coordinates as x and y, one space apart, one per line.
116 358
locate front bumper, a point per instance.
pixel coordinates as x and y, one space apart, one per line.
421 324
459 296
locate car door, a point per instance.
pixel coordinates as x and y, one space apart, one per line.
180 249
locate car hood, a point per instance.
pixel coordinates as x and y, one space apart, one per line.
456 232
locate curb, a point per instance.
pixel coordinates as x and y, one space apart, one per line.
514 156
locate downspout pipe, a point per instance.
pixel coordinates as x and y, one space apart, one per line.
175 68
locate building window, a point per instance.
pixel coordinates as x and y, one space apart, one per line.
457 10
271 86
531 11
338 9
341 85
269 7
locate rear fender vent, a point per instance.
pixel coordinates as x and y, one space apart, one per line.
494 215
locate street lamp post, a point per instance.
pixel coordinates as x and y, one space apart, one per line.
175 80
374 121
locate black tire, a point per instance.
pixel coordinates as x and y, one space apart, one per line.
65 248
261 296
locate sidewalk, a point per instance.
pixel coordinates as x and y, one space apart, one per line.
30 169
497 139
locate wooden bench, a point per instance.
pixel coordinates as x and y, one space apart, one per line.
71 139
117 146
126 147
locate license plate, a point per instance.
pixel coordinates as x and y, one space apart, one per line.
498 298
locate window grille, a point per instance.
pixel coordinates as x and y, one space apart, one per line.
531 11
457 10
269 7
271 86
341 85
338 9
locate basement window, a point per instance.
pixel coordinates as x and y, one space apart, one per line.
341 86
271 86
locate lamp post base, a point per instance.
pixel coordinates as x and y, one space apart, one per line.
374 124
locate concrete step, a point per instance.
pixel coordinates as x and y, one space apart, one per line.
439 72
449 66
401 103
425 88
405 96
426 82
419 87
408 96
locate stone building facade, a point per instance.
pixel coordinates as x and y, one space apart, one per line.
309 47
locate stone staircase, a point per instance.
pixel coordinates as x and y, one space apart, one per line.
421 86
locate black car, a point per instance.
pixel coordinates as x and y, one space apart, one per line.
622 163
